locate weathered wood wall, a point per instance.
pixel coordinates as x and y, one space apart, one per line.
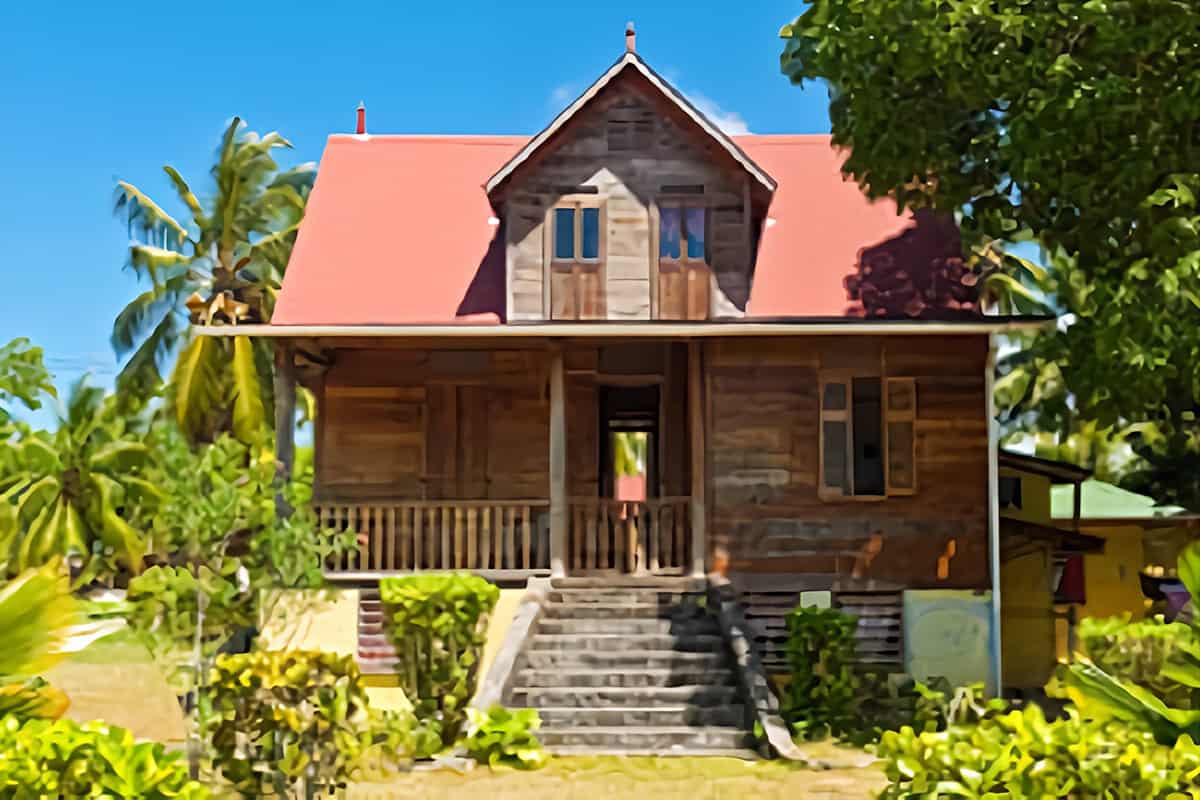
413 424
474 424
648 152
764 461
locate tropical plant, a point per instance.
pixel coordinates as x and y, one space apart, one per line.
438 624
1148 653
1101 695
1021 755
224 266
41 759
1019 118
287 722
39 624
822 697
23 377
82 491
223 544
500 737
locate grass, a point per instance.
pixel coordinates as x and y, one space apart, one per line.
666 778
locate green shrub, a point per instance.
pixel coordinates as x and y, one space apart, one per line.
280 722
41 759
438 624
503 738
1021 755
823 695
1143 652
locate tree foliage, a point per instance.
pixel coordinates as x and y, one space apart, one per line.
82 491
23 376
223 265
1071 123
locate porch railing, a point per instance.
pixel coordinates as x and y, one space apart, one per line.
636 537
497 536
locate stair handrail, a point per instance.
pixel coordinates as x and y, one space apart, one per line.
498 681
761 703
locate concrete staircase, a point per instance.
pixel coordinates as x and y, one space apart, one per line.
630 666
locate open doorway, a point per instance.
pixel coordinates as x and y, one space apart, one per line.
629 441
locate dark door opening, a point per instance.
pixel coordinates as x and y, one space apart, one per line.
629 441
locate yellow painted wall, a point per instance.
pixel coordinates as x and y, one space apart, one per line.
328 620
1112 584
1035 497
1026 625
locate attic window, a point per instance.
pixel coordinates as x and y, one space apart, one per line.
684 278
575 248
625 135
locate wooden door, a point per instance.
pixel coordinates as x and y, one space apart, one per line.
457 443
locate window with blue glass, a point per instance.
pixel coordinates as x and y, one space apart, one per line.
576 233
682 233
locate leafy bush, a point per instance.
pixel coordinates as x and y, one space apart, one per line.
500 737
438 624
41 759
1143 652
823 695
279 722
1022 755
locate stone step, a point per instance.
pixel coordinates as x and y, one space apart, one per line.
583 642
648 738
621 611
655 716
632 678
625 595
374 641
600 697
743 753
690 627
622 582
624 659
370 617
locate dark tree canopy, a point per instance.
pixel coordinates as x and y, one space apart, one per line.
1076 124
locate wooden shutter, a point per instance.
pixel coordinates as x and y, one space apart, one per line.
835 477
900 416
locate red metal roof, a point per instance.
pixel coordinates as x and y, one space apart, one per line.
397 232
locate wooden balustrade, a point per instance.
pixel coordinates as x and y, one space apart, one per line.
635 537
491 536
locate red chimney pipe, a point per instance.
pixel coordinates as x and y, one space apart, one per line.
361 127
630 38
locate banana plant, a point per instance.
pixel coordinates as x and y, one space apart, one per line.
40 623
221 266
79 492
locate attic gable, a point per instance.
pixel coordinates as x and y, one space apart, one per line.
631 67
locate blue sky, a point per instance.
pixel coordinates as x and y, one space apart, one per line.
95 92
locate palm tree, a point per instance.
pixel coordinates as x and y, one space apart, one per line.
79 491
223 267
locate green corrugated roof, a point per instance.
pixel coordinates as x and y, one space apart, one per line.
1104 501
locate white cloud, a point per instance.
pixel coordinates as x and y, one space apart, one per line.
730 122
561 95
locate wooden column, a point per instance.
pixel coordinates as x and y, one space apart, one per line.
558 463
696 424
285 417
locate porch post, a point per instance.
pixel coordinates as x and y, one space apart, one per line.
558 463
696 423
285 417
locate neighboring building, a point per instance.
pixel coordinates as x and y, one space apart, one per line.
478 316
1074 547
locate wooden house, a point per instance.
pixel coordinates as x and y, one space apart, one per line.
480 316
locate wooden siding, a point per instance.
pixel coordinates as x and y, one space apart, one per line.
626 150
413 424
764 446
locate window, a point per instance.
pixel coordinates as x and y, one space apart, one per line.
575 230
683 268
867 436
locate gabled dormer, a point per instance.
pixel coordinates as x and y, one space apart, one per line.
630 205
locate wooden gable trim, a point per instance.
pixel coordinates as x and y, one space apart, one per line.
674 99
